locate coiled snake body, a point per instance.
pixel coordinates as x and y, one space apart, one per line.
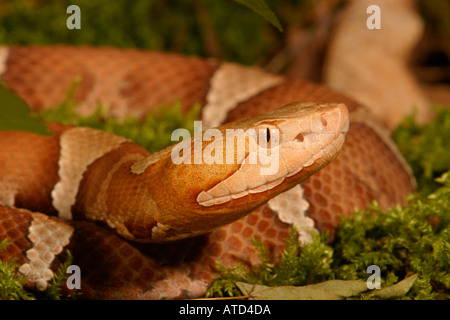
189 216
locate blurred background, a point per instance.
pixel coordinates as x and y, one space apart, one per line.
403 65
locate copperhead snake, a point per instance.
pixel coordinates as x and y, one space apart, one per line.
193 215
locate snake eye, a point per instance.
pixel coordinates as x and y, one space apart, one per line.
268 135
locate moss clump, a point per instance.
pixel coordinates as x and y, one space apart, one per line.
426 147
11 285
413 239
298 265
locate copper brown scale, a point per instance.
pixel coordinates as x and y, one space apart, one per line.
135 82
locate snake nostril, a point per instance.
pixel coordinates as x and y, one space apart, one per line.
324 122
300 137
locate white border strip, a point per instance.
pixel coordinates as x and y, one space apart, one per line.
4 54
230 85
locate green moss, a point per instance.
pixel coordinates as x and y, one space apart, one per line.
426 147
401 241
11 284
299 265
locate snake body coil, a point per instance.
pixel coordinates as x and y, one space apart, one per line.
196 214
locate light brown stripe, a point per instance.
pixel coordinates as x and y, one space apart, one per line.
48 239
231 84
4 53
291 207
79 148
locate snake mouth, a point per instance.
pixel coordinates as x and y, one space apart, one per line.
303 152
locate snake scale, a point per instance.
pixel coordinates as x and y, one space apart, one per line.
160 228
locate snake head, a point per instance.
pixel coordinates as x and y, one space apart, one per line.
244 164
285 147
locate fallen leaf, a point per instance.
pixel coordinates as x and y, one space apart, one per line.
328 290
343 288
397 290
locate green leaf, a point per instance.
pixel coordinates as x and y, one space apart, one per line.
16 115
328 290
261 8
397 290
